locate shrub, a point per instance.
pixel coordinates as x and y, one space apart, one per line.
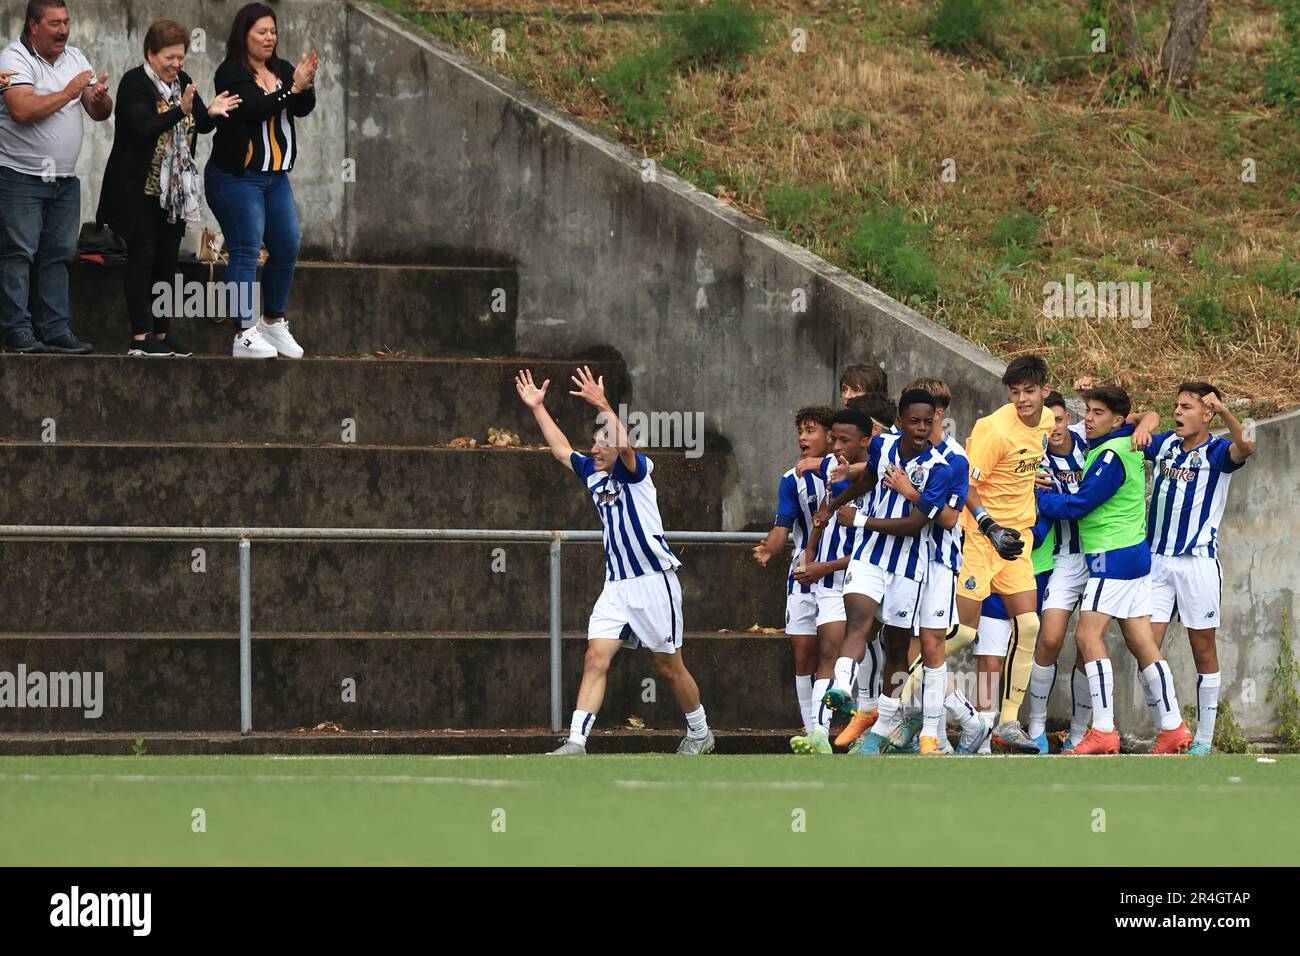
721 34
894 253
964 26
1282 76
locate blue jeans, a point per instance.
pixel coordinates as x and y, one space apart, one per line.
38 240
253 209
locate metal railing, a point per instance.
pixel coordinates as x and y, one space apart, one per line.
246 536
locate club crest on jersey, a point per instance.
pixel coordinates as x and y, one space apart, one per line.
917 476
1195 460
607 492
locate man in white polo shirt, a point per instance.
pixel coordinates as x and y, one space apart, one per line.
40 139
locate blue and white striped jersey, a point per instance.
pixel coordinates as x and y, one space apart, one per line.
629 510
1189 494
945 543
797 499
907 555
836 541
1067 471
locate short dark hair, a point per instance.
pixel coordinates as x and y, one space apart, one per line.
1025 370
1199 389
914 396
851 416
166 33
865 378
937 388
1055 400
36 11
237 42
817 414
1112 396
877 405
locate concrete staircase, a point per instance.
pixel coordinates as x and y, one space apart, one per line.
436 636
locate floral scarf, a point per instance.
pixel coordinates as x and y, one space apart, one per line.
178 179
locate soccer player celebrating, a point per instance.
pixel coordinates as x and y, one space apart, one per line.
1004 450
1192 472
1110 508
850 433
642 599
797 499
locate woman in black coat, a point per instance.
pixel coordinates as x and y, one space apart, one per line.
151 182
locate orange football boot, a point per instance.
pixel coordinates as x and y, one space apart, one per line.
929 747
1174 741
1096 742
862 722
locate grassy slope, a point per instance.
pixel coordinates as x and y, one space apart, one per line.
648 810
864 118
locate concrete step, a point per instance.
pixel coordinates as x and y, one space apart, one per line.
339 586
189 682
213 485
389 401
441 743
335 308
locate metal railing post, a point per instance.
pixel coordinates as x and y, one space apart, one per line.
245 637
556 690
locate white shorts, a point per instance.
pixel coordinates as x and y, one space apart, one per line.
646 609
1121 599
897 597
801 613
830 605
1188 585
1068 581
938 610
992 637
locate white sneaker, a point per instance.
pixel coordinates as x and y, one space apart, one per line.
250 343
277 334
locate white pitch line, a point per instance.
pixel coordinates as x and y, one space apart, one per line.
256 778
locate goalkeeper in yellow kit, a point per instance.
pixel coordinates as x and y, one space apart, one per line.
1004 450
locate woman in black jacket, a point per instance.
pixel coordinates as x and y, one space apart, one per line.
247 176
151 183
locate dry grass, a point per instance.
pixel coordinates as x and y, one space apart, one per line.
1118 193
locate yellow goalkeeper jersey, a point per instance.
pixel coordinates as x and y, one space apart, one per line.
1004 453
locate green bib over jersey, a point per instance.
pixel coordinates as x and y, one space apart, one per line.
1120 522
1042 556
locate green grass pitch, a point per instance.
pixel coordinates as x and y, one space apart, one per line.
613 810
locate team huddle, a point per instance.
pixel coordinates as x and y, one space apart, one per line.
908 547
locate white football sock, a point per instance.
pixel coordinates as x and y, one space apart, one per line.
580 726
1161 694
869 677
991 718
803 690
1041 680
1207 706
891 716
962 711
1081 710
1101 686
846 668
821 714
933 684
696 723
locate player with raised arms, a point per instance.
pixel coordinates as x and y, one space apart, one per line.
641 603
1192 472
